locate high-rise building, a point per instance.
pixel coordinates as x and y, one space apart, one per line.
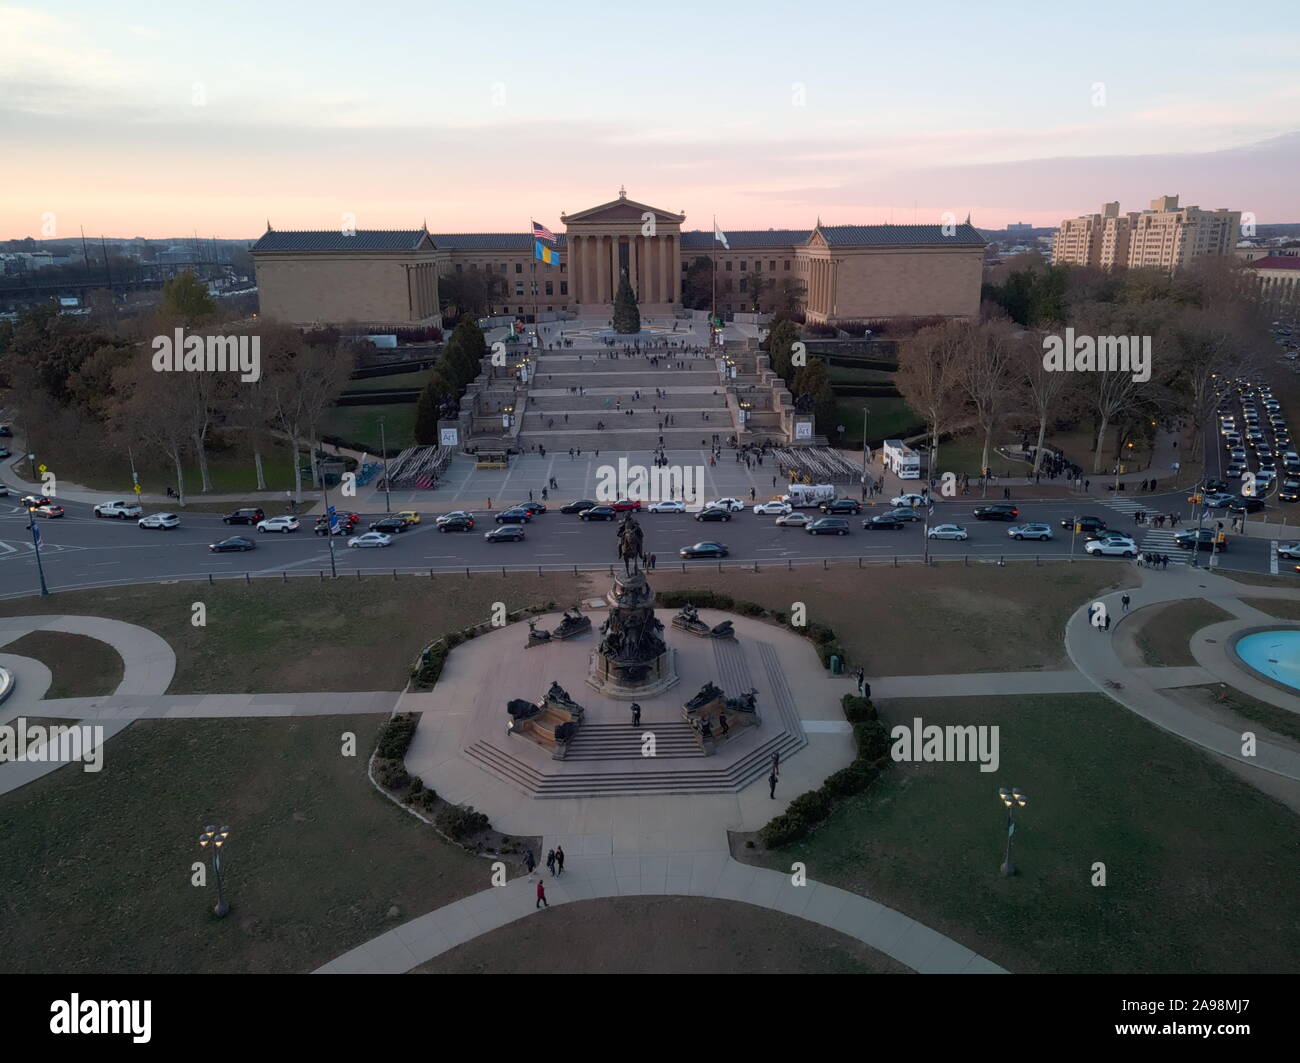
1166 236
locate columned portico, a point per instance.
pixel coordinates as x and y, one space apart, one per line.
625 235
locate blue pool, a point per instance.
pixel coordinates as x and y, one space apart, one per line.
1275 654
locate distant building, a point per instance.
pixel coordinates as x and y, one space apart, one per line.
1019 227
1279 279
1165 236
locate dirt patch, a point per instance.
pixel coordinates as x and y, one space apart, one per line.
1165 631
80 666
1282 608
662 935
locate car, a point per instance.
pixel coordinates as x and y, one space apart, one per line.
279 524
713 513
244 516
599 513
1200 539
236 543
1291 551
507 533
903 513
343 526
1246 504
1041 532
841 505
1289 491
997 511
707 549
793 520
773 509
577 505
910 500
948 531
121 510
4 491
49 508
388 526
412 517
1213 485
1086 524
882 522
163 521
532 507
371 539
33 500
1234 470
1232 441
828 526
457 524
1215 501
731 505
668 505
1112 546
1237 454
513 516
6 430
626 505
453 515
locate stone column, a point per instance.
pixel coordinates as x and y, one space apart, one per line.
675 264
614 277
574 270
666 248
634 265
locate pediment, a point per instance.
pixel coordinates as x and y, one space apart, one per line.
622 210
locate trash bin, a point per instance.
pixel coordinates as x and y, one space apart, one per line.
837 664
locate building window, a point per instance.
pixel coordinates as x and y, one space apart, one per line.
564 287
519 288
505 267
519 267
550 287
787 265
728 287
458 268
728 265
772 265
743 265
742 284
758 265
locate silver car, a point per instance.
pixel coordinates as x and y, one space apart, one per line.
1041 532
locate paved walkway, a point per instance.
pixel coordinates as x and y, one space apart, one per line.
692 874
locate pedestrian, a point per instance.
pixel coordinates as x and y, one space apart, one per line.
752 494
559 860
550 862
489 505
776 762
723 725
652 562
541 895
1107 626
862 678
636 714
1124 600
866 690
530 862
771 785
545 495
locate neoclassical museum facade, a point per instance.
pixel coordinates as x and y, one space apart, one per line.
389 278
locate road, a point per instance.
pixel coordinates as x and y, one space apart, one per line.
79 550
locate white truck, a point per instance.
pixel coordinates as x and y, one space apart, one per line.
121 509
809 496
901 460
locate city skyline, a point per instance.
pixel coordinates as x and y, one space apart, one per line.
162 122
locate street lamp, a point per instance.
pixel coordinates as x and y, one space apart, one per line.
36 547
214 839
1013 799
330 521
383 446
864 446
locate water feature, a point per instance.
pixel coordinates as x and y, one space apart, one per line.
1275 654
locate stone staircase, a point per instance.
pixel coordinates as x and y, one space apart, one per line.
617 741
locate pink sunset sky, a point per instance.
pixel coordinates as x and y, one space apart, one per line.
135 120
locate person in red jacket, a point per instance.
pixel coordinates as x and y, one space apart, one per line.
541 895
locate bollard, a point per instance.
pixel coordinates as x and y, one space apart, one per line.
859 562
394 573
824 565
789 565
755 566
286 576
209 579
431 573
895 560
247 578
358 575
965 560
503 571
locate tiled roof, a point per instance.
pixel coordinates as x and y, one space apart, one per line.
334 240
489 241
743 239
895 235
1277 262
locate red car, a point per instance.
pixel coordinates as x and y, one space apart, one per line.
624 504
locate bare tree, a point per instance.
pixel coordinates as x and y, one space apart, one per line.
1042 389
927 379
146 413
984 374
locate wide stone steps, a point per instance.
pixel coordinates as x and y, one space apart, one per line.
612 741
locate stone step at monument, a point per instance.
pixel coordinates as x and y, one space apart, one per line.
613 442
684 775
622 421
675 402
612 741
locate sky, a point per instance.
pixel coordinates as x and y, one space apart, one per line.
166 119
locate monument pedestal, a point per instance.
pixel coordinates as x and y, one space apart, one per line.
632 660
626 682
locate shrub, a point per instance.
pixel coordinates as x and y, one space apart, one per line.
429 666
395 738
851 780
417 785
826 650
818 633
454 638
460 821
391 775
750 609
782 830
703 599
858 709
813 806
873 741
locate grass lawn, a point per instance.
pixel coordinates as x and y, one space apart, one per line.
1188 888
81 667
359 425
942 619
303 635
886 418
1220 696
1284 578
1282 608
96 867
847 375
386 383
1167 630
663 935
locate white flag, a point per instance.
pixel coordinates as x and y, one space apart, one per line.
720 236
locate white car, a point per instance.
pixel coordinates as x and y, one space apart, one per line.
452 516
911 500
1291 551
668 505
731 505
793 520
160 520
948 531
278 524
773 509
371 539
121 510
1041 532
1112 546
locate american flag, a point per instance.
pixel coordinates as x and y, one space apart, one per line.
541 232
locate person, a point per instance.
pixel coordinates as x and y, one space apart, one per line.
530 862
866 689
550 862
559 860
636 714
752 494
541 895
1107 627
861 677
771 785
723 725
1124 600
652 561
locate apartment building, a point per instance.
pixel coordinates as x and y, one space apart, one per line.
1165 236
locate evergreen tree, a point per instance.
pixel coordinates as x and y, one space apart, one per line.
436 395
186 298
627 318
779 345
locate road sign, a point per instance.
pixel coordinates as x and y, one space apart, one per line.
137 489
333 516
36 532
42 467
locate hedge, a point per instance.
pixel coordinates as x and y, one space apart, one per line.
857 709
460 821
395 736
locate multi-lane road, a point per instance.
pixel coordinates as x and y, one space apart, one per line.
79 550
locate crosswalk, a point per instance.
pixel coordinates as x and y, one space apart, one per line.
1158 540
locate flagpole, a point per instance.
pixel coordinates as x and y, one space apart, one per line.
714 246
